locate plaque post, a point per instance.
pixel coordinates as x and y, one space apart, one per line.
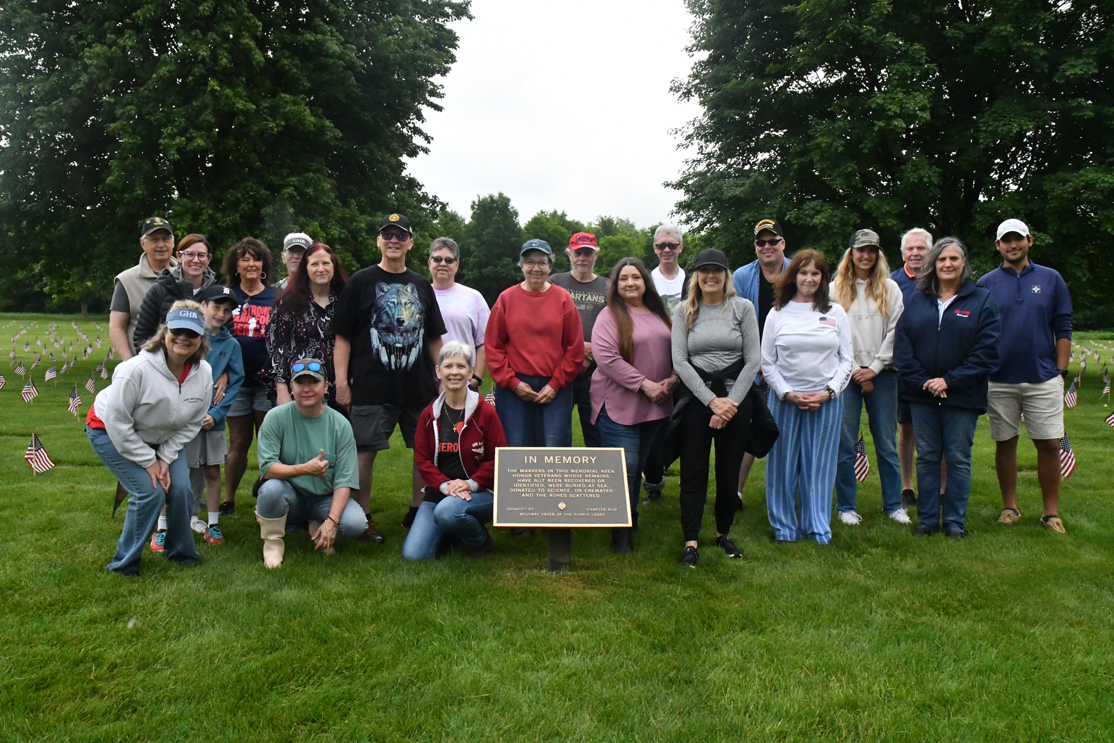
560 546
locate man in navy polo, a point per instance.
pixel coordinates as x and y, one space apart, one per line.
1029 382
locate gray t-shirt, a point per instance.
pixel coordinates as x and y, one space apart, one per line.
120 301
589 297
720 336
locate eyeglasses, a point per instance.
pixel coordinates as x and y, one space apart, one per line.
764 243
157 239
389 235
535 264
193 255
191 334
584 252
666 247
313 366
447 260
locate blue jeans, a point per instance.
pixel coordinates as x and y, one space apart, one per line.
436 523
278 498
881 412
943 432
636 442
530 424
582 397
144 506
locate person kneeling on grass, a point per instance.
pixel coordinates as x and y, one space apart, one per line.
138 426
455 453
307 459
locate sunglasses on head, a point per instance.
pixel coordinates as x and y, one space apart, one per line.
764 243
449 260
392 235
313 366
191 334
667 246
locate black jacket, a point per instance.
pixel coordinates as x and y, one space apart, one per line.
962 347
167 289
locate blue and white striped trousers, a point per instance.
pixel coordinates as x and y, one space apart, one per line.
803 459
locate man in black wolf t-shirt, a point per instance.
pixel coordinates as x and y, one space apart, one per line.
388 334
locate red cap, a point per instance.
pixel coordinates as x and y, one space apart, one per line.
583 240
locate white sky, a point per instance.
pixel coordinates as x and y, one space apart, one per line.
563 105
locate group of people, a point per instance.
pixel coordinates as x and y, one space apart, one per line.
774 360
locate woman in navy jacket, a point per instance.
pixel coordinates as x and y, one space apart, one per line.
945 349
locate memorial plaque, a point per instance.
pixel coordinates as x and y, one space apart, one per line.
561 488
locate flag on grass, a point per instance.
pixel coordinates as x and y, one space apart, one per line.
1071 357
490 398
862 464
1067 459
52 357
75 401
91 385
51 373
26 346
104 373
36 456
1072 397
30 392
38 362
2 381
20 369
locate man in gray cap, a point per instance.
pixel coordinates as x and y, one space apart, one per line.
294 248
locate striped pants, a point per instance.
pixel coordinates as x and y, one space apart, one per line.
803 460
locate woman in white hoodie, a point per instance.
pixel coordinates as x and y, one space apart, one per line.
138 426
873 302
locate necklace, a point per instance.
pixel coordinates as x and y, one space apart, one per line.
449 415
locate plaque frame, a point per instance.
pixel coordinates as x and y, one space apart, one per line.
625 510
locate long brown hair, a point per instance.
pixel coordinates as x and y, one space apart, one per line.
621 314
786 287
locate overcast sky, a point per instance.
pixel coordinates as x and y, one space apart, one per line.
563 105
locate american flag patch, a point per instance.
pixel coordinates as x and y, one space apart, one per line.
829 321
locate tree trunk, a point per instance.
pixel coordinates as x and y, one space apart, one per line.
84 311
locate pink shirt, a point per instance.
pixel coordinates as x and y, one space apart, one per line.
615 383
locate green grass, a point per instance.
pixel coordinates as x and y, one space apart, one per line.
878 636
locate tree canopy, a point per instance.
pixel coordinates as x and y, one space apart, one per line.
230 119
831 115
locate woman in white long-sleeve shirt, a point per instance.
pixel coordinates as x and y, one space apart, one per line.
873 302
807 362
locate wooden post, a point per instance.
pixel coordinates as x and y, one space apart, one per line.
560 541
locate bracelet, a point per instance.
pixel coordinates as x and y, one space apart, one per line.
335 522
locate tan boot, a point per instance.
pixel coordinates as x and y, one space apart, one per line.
271 531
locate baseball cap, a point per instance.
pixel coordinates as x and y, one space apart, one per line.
186 319
296 240
768 225
583 240
396 220
1012 225
219 293
153 224
864 238
536 244
308 367
711 257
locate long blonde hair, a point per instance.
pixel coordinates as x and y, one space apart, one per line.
844 283
692 304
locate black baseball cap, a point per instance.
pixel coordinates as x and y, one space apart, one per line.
396 220
768 225
154 224
219 293
711 257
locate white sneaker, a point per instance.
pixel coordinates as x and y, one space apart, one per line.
197 525
851 518
900 516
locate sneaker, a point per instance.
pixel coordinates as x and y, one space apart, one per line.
228 508
1053 523
728 546
955 534
851 518
690 557
158 540
908 498
900 516
197 525
213 534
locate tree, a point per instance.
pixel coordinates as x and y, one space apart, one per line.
832 115
230 119
555 228
490 252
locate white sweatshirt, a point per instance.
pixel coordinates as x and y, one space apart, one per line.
145 409
805 351
872 336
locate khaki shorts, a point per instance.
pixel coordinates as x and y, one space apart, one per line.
210 447
1042 405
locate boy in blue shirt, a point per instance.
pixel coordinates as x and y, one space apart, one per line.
1036 341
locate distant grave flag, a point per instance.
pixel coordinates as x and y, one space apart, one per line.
1071 399
74 402
104 373
37 457
20 369
91 385
2 381
51 373
862 464
30 392
490 398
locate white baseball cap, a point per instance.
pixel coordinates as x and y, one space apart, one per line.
1012 225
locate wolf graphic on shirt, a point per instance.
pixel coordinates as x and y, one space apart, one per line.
397 325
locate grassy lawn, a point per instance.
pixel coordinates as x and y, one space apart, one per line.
878 636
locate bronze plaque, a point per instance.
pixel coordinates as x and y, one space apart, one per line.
561 487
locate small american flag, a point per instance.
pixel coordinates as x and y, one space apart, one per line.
1071 357
91 385
109 356
29 391
26 346
2 381
75 401
1106 389
862 464
98 341
490 398
36 456
1072 397
51 373
104 373
38 362
20 369
52 357
1067 459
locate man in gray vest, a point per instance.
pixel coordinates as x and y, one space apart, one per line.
157 240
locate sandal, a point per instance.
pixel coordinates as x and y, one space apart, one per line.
1053 523
1009 515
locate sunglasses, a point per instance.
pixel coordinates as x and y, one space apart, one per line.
192 335
664 247
764 243
313 366
439 259
389 235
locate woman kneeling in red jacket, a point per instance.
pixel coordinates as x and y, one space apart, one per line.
454 449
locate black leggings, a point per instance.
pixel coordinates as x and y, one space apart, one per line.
696 439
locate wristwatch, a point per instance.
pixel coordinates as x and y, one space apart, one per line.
831 394
1063 373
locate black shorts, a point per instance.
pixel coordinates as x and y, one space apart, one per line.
372 425
904 413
